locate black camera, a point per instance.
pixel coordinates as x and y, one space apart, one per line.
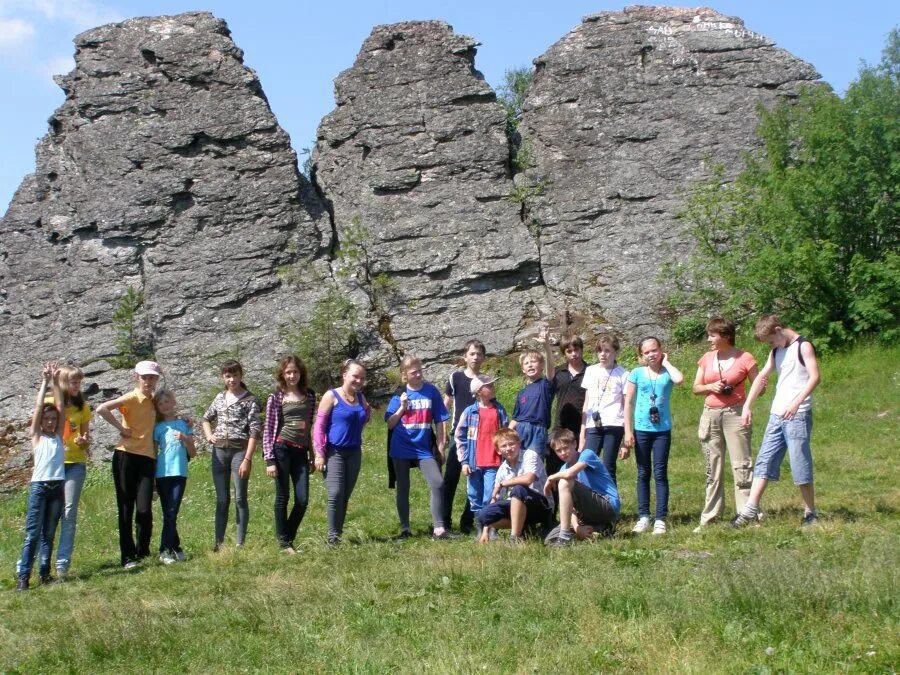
598 423
727 389
654 415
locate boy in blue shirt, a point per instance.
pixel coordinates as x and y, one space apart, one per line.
588 497
531 414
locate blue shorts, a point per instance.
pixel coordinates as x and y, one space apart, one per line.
537 508
534 437
786 435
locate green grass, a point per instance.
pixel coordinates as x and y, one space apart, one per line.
766 599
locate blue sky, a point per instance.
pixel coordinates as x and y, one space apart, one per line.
299 47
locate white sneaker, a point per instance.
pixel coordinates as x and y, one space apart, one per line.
166 558
698 529
659 527
642 525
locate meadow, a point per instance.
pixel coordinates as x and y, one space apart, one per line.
765 599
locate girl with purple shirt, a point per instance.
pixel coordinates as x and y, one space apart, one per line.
337 441
286 446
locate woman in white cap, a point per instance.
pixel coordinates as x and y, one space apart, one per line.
134 461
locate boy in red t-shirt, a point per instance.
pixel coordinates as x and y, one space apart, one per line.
475 441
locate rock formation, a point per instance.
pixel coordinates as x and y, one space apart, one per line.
416 154
621 115
166 172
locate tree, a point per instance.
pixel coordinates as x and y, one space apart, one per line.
512 95
810 228
326 340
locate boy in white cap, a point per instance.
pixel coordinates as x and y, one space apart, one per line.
475 441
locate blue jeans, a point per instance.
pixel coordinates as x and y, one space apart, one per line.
292 465
786 435
224 465
609 439
45 500
534 437
75 475
171 492
651 452
480 487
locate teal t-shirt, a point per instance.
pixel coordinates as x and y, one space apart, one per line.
171 454
649 388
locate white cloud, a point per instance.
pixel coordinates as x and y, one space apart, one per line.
14 33
78 13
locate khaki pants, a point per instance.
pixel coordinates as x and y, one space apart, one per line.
721 429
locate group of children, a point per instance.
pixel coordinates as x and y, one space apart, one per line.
518 473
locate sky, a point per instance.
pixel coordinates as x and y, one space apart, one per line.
298 47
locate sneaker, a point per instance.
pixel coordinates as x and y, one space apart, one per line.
659 527
22 584
698 529
642 525
166 557
46 579
61 575
289 550
492 534
130 564
809 519
516 539
559 542
403 536
180 555
552 536
740 520
334 540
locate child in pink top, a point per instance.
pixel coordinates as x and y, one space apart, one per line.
722 376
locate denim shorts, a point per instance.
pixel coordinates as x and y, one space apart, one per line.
786 435
534 437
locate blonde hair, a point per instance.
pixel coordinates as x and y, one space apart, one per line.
158 396
64 377
506 434
529 353
407 362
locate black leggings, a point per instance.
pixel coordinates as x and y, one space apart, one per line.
133 477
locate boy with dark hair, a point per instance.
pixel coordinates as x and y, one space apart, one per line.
567 385
458 397
588 497
790 419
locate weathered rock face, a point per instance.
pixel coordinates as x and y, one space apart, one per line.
621 115
164 171
416 154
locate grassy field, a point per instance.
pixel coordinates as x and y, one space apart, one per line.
765 599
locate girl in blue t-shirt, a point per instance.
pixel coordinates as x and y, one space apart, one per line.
648 427
174 441
411 415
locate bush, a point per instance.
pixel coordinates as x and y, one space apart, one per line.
810 227
326 340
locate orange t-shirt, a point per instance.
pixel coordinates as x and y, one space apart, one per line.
139 415
735 375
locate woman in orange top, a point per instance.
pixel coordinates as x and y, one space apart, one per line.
722 376
134 461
